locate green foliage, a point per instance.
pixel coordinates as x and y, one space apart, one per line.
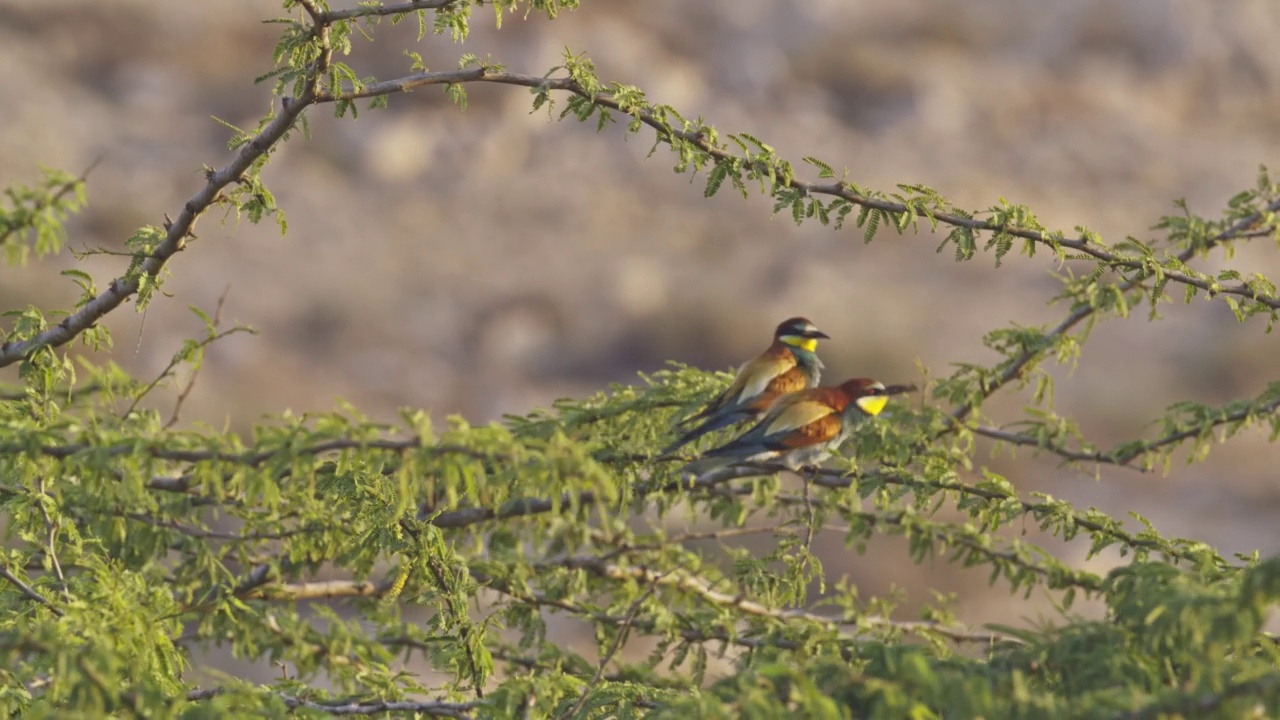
133 547
32 216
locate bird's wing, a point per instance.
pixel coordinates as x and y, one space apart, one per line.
819 431
799 422
756 375
792 380
753 380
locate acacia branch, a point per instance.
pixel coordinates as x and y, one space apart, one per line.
195 372
28 591
913 627
698 587
248 459
1121 456
9 228
1203 704
459 710
178 230
1066 453
623 631
72 394
839 480
1246 226
203 534
176 360
836 479
257 587
1144 267
318 590
175 240
522 507
332 16
436 708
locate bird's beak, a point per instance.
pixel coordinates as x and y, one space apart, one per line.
818 334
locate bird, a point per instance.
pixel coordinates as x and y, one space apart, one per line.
802 428
791 363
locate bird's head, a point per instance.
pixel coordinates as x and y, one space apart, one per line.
869 395
798 332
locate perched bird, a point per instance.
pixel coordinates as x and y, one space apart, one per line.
804 428
791 363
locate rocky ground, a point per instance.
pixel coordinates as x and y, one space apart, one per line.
489 261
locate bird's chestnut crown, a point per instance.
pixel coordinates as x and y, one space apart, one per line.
869 395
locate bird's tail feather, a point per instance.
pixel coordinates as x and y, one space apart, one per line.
730 454
704 464
711 425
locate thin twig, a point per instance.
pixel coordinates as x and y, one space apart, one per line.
53 532
623 631
177 359
465 629
1126 458
201 533
72 394
27 590
195 372
51 200
698 587
810 520
1015 369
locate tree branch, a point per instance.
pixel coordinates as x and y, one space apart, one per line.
8 228
1120 456
333 16
459 710
1238 229
623 631
124 287
320 590
195 373
29 591
838 189
913 627
249 459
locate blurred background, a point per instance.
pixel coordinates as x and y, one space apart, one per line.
489 261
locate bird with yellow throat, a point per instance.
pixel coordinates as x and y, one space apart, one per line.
804 428
789 364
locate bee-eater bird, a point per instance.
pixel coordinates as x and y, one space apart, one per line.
791 363
804 428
